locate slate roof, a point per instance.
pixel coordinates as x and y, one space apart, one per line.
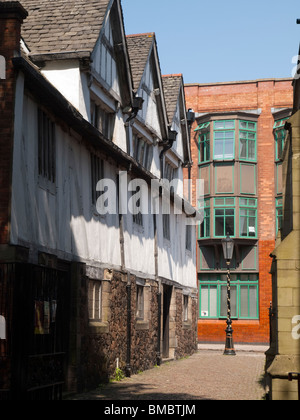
139 47
171 85
59 26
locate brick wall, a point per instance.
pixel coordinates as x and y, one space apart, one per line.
263 95
11 17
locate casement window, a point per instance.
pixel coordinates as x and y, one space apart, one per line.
140 303
204 228
279 214
142 151
166 227
95 300
224 139
46 147
248 217
188 237
280 135
247 140
244 296
185 308
97 173
103 120
204 142
170 172
224 217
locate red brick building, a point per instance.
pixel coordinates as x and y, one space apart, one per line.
237 144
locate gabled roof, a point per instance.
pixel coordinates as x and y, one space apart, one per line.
60 26
139 49
172 84
174 93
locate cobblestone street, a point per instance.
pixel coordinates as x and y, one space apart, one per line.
207 375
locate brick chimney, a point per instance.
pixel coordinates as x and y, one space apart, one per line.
12 15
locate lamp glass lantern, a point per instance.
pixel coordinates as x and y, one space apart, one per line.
228 247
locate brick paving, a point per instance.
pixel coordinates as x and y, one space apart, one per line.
207 375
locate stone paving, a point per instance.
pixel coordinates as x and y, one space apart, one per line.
207 375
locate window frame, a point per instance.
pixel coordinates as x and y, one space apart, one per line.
95 301
97 174
248 131
279 217
46 148
140 303
248 207
224 130
237 282
205 225
225 207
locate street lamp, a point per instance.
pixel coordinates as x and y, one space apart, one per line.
228 246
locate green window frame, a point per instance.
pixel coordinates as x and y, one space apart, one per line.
279 214
204 146
280 135
224 217
204 227
244 296
224 140
248 141
248 217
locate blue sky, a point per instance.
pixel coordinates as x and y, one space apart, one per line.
219 40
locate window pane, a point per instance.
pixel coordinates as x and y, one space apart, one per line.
223 310
243 147
218 149
229 124
213 302
229 227
244 301
204 301
233 300
253 301
228 153
219 226
219 124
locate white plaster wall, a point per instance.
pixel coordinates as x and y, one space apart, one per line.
65 75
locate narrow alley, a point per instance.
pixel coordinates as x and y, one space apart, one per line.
207 375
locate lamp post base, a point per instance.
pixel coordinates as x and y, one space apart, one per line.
229 346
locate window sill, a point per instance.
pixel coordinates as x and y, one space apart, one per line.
97 327
187 325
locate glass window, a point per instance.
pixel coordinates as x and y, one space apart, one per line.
204 147
204 228
244 296
224 217
280 135
279 214
224 137
248 218
247 136
46 147
94 298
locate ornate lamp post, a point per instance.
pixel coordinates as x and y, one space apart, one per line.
228 246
